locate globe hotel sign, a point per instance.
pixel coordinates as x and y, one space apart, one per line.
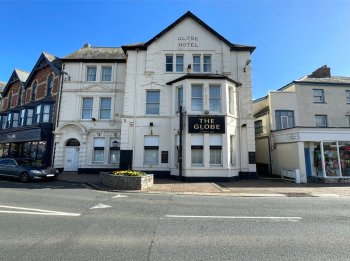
206 124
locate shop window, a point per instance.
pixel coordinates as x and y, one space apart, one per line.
114 151
196 63
318 96
99 146
344 155
49 85
331 158
169 63
179 63
258 126
87 108
106 73
197 142
206 63
215 150
151 150
91 73
152 102
214 98
284 119
179 97
34 89
321 121
105 108
196 97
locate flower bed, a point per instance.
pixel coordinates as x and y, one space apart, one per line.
127 180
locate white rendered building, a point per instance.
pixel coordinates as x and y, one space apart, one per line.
189 66
304 127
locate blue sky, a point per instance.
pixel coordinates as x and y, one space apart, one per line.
292 37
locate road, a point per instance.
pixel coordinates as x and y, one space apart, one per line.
65 221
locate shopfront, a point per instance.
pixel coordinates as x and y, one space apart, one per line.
34 143
332 159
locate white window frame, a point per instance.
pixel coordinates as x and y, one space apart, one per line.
151 150
169 63
179 66
86 109
318 95
150 104
215 142
214 99
197 146
197 98
321 121
89 76
347 95
103 75
207 66
179 100
196 65
99 145
106 109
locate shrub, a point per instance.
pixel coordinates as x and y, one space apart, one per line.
128 173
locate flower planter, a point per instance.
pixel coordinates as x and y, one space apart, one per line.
126 182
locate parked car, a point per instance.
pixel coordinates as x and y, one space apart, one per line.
25 169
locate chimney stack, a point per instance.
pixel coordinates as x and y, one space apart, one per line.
322 72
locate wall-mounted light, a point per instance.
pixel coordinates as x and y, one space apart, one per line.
151 124
246 64
93 119
244 125
206 112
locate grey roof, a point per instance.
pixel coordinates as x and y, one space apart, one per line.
96 53
22 75
54 60
333 79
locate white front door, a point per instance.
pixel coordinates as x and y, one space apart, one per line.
71 159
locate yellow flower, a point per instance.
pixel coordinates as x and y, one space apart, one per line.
128 173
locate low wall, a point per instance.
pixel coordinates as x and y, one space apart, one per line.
126 182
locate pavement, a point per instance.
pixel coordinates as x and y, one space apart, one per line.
261 187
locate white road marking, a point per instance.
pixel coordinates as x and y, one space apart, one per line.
120 196
34 211
101 206
236 217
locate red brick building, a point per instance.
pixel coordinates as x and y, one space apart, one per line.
28 110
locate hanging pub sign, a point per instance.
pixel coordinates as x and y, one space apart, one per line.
206 124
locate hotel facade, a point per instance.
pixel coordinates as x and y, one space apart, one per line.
179 104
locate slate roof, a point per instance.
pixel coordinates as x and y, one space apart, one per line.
333 79
96 53
22 75
55 61
234 47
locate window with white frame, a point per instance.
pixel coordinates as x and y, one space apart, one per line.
99 149
214 98
114 151
197 142
22 117
152 102
197 97
169 63
9 119
179 63
215 141
206 63
196 63
105 108
284 119
230 100
318 95
49 85
87 108
29 120
321 121
15 117
91 73
179 98
347 95
232 153
106 73
43 113
151 150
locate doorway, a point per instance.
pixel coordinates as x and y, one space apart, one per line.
71 155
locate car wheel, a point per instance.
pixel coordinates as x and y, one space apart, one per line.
24 177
